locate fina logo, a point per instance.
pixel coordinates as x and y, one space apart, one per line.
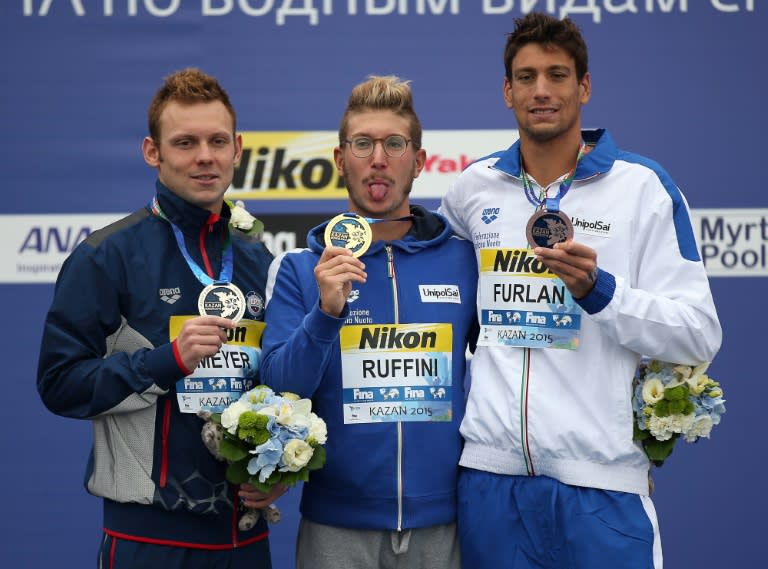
490 214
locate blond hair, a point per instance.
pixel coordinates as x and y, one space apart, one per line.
382 93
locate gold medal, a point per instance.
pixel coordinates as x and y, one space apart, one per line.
350 231
221 299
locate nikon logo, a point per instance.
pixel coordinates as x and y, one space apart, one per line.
387 337
518 261
266 168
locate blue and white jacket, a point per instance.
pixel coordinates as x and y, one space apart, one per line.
106 356
567 414
378 475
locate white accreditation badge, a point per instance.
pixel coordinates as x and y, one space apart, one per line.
523 304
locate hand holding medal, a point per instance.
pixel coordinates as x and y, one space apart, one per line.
221 299
350 231
548 226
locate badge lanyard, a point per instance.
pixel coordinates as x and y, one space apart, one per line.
548 225
552 204
219 297
226 254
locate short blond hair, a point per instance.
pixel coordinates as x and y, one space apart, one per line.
383 93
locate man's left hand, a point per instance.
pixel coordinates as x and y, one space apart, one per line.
574 263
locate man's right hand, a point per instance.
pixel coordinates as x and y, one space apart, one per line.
202 337
334 273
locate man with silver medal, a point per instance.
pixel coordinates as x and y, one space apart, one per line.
154 318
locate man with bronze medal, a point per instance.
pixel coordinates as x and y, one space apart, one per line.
587 262
155 318
372 321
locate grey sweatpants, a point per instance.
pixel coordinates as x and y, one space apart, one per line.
327 547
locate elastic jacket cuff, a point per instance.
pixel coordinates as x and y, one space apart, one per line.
600 295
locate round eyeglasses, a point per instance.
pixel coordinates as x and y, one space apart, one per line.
394 145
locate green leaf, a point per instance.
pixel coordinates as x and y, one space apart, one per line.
318 459
639 434
275 478
676 393
237 472
662 408
258 227
677 406
232 450
291 478
658 451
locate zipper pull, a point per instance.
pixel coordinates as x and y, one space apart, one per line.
390 262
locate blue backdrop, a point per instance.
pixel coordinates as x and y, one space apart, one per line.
681 82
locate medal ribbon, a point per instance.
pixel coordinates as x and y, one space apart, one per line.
227 258
552 204
372 220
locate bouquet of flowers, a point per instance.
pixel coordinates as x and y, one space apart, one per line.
671 400
266 439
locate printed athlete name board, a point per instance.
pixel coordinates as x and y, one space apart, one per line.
523 304
222 378
397 372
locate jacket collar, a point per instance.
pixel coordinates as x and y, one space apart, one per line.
184 215
598 161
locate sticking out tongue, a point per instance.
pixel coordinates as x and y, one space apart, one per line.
377 190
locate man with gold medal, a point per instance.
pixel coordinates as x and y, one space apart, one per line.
371 322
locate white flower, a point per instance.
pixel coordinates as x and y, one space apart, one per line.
698 380
296 455
294 413
317 429
231 415
701 427
697 384
241 219
269 410
662 428
653 391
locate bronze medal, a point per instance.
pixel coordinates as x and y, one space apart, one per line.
545 228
